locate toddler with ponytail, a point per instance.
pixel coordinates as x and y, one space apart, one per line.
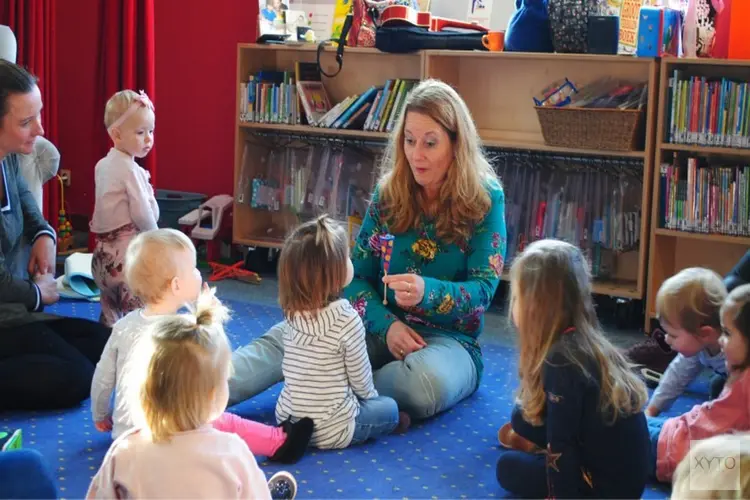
327 374
176 452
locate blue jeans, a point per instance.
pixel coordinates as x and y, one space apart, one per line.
377 417
23 474
654 430
427 382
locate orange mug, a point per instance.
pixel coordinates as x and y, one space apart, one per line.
494 41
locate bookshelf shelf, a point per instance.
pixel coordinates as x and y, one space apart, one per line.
306 129
719 238
706 150
509 140
498 89
672 250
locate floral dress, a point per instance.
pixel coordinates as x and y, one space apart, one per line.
460 279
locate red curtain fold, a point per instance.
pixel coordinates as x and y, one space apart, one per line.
33 22
126 61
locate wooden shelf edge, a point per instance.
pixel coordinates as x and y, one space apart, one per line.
259 242
624 289
540 146
674 61
540 56
714 237
694 148
490 142
306 129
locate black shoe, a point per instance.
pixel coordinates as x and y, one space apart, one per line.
10 440
282 486
298 436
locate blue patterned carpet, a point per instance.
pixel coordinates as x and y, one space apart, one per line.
452 456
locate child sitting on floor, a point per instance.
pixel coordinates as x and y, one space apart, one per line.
717 468
176 452
730 412
687 305
578 430
161 271
327 374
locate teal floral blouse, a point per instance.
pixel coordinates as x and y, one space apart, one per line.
460 279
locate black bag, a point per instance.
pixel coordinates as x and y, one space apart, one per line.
402 39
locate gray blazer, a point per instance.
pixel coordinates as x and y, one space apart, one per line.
19 216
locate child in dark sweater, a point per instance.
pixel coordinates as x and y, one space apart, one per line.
578 430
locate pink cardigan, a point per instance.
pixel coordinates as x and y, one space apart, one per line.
730 412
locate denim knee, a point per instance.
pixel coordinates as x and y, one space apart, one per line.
423 395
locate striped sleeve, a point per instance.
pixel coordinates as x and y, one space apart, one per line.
358 368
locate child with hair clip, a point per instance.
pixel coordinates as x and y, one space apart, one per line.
327 374
176 452
730 412
687 305
161 271
578 429
124 198
727 477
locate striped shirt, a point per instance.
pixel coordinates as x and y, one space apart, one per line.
326 373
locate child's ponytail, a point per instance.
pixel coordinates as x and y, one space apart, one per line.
189 357
209 310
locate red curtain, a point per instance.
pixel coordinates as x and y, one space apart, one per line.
33 22
126 61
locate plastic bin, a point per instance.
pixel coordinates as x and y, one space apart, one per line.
175 204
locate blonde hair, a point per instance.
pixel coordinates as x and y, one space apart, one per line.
551 281
463 199
736 310
150 263
691 299
716 482
117 105
190 359
313 266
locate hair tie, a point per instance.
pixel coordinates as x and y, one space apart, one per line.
140 100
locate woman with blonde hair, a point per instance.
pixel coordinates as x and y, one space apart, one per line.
442 203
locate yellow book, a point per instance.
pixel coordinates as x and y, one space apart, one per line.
389 105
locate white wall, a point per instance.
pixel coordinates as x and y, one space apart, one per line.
459 9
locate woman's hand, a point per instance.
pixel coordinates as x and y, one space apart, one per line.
402 340
42 259
409 288
47 288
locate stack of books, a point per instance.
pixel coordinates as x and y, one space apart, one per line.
708 112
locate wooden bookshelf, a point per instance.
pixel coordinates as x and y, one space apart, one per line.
498 89
672 250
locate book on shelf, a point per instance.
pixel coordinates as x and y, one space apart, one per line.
269 97
707 111
306 182
702 197
595 210
300 97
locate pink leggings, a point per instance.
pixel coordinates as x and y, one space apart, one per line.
260 438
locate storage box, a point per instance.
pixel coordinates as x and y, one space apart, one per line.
659 32
175 204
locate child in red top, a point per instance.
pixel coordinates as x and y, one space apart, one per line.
730 412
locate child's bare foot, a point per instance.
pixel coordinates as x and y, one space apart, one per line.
404 421
510 439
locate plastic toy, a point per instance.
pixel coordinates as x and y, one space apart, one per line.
386 249
211 223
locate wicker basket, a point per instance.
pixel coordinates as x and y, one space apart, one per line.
610 129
